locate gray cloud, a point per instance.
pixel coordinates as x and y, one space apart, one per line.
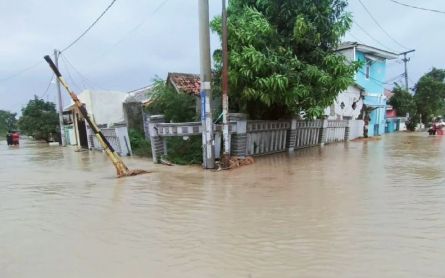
112 57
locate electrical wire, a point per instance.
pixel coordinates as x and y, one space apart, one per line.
89 28
45 93
69 74
85 80
380 26
134 29
418 8
371 37
22 71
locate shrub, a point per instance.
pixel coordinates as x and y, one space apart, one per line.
139 145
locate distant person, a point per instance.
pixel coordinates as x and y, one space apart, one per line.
440 127
433 129
15 138
9 138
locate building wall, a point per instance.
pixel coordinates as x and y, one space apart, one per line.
374 92
374 84
348 97
104 106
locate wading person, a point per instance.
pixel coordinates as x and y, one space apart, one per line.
15 138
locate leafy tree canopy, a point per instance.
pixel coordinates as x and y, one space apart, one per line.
403 102
282 56
176 107
8 121
39 119
430 94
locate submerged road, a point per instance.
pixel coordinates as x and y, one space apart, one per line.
362 209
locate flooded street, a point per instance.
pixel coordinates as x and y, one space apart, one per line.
362 209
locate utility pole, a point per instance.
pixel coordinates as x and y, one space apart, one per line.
225 81
206 92
59 97
406 60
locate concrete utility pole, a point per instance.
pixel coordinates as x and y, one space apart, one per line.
406 60
59 97
225 80
206 92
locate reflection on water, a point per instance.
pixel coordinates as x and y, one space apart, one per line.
364 209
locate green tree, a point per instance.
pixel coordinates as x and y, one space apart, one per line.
8 121
39 119
430 95
282 56
176 107
403 102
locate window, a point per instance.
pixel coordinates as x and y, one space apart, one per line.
368 69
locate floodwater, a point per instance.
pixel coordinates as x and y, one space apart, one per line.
362 209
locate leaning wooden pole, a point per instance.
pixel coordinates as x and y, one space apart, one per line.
121 169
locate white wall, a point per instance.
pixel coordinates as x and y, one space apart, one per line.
105 107
356 129
348 97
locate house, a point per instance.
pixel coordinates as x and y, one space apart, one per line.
133 107
370 78
186 83
348 104
394 122
105 109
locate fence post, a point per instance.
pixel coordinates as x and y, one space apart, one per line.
348 131
239 139
292 136
157 144
323 132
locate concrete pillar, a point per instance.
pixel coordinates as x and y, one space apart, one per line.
323 132
348 131
291 139
157 144
239 139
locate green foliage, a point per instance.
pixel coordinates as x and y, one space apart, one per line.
176 107
430 95
39 119
282 56
412 122
185 152
403 102
8 121
139 145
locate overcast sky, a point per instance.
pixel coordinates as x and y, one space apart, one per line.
138 40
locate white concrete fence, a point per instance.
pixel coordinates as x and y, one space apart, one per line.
116 136
256 137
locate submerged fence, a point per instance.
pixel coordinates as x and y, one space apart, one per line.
116 136
253 138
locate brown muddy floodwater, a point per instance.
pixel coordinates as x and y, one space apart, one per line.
363 209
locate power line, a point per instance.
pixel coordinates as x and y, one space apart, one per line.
418 8
69 74
134 29
371 37
47 88
90 27
22 71
380 26
85 80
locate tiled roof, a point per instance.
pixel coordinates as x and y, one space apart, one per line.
186 83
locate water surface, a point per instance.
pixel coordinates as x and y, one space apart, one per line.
362 209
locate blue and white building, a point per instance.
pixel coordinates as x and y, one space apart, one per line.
369 85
